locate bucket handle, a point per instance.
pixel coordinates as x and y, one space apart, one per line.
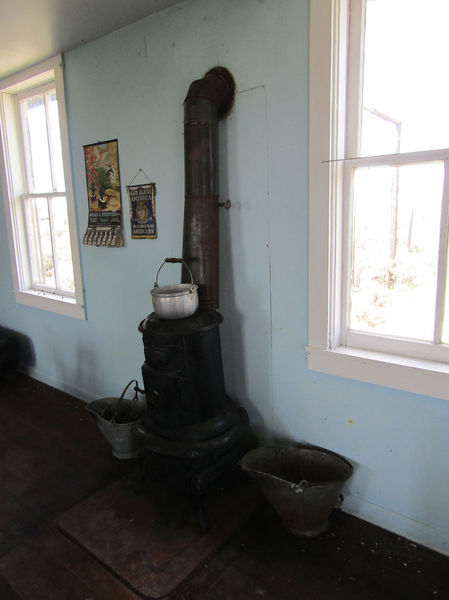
121 398
175 260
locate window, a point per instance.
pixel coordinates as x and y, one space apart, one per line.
38 192
379 191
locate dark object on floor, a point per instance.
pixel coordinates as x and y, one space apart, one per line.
302 484
150 540
9 351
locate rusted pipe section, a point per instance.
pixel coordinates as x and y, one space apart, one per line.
208 100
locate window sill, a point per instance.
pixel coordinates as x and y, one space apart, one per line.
57 304
400 372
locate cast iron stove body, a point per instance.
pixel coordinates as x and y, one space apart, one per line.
192 430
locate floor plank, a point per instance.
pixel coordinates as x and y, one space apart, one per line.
353 560
52 458
6 591
52 566
17 521
58 416
46 464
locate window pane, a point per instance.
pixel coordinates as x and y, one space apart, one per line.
36 141
39 242
396 224
55 141
405 87
63 253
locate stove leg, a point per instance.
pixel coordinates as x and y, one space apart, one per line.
198 487
203 524
142 462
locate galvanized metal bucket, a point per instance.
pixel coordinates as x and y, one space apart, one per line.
303 484
118 420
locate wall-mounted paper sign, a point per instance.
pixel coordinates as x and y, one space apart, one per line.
103 191
142 208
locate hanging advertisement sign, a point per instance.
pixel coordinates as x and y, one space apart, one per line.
142 208
104 198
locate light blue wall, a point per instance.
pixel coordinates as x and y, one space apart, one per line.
130 85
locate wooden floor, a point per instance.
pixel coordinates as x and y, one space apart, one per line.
52 457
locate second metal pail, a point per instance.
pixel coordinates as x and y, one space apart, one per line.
121 436
302 484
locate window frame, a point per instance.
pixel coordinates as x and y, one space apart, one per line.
427 374
13 176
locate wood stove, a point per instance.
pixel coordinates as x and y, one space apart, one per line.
192 428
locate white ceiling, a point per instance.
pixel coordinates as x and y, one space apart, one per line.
32 30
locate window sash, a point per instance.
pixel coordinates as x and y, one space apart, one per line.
34 245
29 159
34 235
399 346
419 158
340 333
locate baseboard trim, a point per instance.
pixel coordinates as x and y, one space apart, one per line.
415 531
73 390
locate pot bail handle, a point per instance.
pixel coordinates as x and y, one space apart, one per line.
175 260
